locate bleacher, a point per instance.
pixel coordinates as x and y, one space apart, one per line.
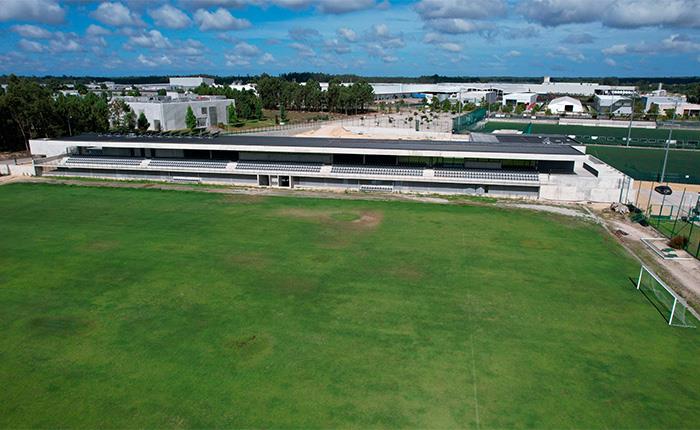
279 166
491 175
377 170
103 161
190 164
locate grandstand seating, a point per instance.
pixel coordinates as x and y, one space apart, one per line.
279 166
103 161
377 170
193 164
492 175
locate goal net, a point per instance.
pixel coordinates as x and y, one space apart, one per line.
674 309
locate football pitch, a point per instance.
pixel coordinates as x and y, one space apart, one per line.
685 138
135 308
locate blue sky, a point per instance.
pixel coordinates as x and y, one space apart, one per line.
367 37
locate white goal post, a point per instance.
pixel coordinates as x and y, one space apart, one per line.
674 309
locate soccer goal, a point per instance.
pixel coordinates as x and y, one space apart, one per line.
668 303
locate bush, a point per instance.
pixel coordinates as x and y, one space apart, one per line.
678 242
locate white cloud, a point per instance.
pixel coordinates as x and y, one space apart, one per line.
46 11
95 31
302 50
343 6
613 13
513 54
116 14
152 39
463 9
390 59
637 48
337 46
451 47
680 43
31 31
322 6
568 53
457 25
221 19
551 13
190 47
579 38
234 60
347 34
30 46
154 61
460 16
266 58
610 62
246 49
170 17
303 34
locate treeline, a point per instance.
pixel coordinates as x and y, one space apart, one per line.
278 92
29 110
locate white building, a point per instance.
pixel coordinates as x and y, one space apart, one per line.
476 97
613 105
515 99
190 81
564 105
164 113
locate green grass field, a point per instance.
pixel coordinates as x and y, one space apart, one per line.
646 163
605 135
131 308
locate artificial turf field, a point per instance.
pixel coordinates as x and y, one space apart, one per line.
686 138
144 308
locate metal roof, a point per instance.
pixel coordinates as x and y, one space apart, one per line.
510 144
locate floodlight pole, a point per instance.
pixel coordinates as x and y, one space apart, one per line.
668 144
629 128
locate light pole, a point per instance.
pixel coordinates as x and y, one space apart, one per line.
629 128
668 143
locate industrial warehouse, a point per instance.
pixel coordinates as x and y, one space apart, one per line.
529 167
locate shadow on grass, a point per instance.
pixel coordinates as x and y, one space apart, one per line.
654 303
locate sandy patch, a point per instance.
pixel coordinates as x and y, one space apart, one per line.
348 219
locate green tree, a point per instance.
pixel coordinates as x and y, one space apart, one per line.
654 110
142 123
283 114
258 108
162 92
232 116
520 108
190 119
507 108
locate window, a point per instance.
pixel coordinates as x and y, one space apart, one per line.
204 111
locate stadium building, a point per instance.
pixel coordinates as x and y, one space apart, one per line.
532 167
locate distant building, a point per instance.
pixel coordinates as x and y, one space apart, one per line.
190 81
613 105
515 99
476 97
564 105
165 113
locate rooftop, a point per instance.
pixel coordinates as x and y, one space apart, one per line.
530 144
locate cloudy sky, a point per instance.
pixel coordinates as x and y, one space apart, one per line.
368 37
